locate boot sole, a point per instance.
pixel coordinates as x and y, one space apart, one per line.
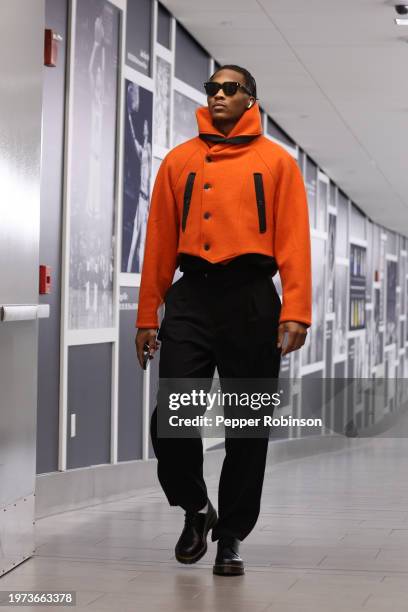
227 569
201 553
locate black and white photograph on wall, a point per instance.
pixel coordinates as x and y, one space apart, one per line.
370 262
331 263
401 383
402 267
312 351
390 370
321 208
351 427
398 296
184 118
311 189
391 240
92 149
369 356
401 335
406 310
382 271
301 161
155 168
342 225
355 395
378 326
138 35
137 174
391 321
329 348
357 286
340 331
376 253
355 357
162 103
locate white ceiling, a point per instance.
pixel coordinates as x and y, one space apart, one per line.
334 75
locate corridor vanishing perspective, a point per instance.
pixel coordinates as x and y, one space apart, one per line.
204 273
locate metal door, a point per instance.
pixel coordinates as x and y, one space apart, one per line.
21 65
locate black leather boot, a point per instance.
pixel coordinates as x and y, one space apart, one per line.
192 543
228 562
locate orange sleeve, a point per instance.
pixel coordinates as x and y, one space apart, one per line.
292 246
160 255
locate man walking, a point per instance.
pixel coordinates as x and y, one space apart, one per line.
229 207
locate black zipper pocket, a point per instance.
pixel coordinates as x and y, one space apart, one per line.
260 201
187 198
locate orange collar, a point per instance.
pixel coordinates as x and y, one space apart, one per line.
249 124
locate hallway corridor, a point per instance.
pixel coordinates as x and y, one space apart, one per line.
333 533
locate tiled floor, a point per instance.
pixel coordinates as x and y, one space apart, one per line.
332 535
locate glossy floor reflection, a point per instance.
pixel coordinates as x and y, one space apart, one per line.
333 534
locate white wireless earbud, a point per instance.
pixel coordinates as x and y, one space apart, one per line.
249 105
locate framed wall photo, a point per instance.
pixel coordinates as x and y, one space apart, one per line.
311 188
401 281
155 168
137 174
139 35
406 313
313 348
331 264
378 327
340 330
92 151
192 62
162 103
370 263
342 225
163 26
358 275
391 314
184 118
369 343
322 202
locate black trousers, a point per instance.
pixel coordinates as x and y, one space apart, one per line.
227 318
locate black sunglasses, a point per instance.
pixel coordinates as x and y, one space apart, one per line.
230 88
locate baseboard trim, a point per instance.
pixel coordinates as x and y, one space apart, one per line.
58 492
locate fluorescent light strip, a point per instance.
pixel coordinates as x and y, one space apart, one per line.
401 20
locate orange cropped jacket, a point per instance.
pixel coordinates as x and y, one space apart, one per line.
216 199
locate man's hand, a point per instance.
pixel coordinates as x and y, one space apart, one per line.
296 335
146 336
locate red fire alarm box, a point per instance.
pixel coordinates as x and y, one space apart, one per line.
45 279
51 40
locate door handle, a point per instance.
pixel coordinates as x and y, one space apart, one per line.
23 312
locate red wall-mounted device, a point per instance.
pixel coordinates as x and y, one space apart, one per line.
51 40
45 279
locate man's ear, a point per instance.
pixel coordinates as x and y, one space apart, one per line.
251 102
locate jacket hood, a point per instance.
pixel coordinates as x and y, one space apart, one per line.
249 124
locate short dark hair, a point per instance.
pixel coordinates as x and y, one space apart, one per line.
250 82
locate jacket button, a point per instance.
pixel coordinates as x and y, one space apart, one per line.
208 158
207 215
207 185
206 246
